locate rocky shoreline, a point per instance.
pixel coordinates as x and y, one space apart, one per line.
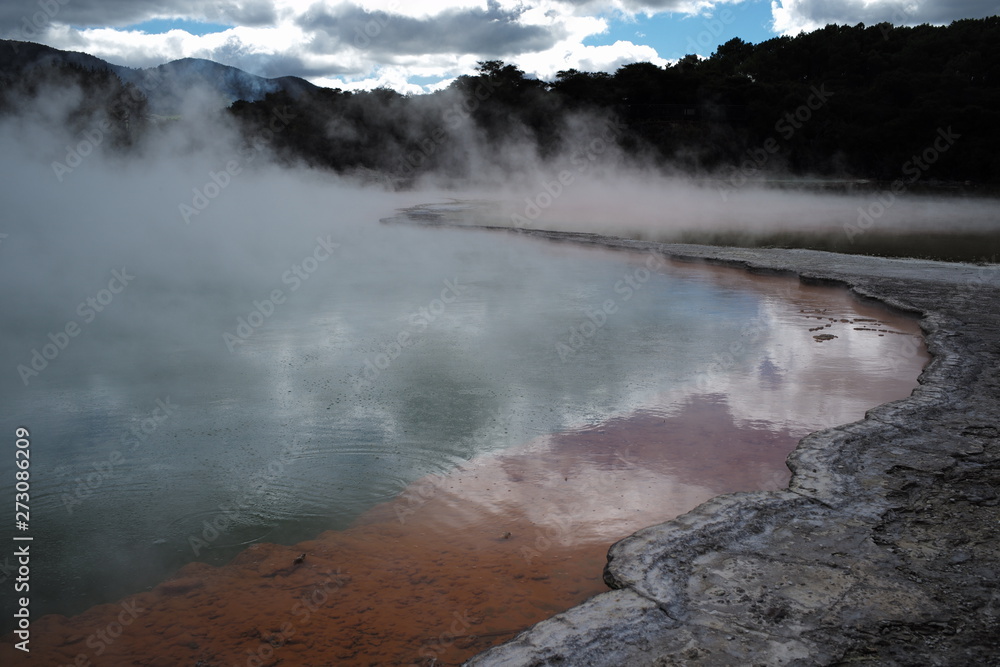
884 549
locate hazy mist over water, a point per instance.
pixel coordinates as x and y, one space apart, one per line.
294 421
172 364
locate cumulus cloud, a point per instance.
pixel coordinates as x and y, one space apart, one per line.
795 16
490 32
238 47
119 13
604 58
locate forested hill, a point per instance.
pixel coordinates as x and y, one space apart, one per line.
841 101
24 64
858 102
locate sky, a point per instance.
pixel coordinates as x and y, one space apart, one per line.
421 45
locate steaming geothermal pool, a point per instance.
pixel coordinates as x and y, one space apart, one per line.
466 420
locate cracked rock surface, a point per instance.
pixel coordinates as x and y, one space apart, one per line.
884 549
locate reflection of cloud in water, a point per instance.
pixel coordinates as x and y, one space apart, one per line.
810 385
768 374
599 484
518 534
772 369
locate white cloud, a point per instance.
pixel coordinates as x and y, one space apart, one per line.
139 49
571 53
604 58
396 78
795 16
118 13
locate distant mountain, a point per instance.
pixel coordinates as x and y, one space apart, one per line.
165 86
16 57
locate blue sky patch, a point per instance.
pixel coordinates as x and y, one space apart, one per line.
160 26
676 35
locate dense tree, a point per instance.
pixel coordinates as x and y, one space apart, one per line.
844 100
86 98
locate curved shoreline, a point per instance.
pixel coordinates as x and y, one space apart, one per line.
883 549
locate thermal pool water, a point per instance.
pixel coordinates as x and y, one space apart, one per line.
430 454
